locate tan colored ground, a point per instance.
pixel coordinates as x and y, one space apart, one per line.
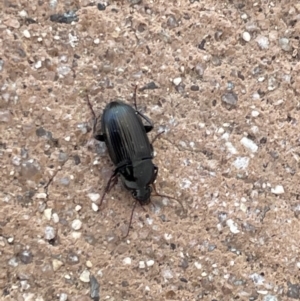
226 71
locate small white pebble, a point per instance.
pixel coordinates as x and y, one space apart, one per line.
67 277
97 41
246 36
76 235
232 226
55 218
85 276
68 138
244 16
249 144
150 263
38 65
254 113
278 189
298 264
78 208
48 213
142 264
76 224
263 42
231 148
26 34
243 207
63 297
241 162
198 265
23 14
56 264
167 236
203 274
127 261
41 195
262 292
89 264
94 196
49 233
10 240
95 207
177 81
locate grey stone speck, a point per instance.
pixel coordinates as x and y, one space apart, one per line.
72 258
200 68
26 257
293 291
149 86
230 98
94 288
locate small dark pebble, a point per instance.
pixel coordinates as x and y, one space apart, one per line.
173 246
183 280
125 283
202 44
101 6
293 291
149 86
67 17
195 88
170 295
90 239
40 132
76 159
133 2
240 75
30 21
94 289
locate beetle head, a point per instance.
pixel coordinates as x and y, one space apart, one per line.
142 195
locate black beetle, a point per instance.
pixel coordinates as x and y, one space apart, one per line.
129 148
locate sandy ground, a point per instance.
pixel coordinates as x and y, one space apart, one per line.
228 99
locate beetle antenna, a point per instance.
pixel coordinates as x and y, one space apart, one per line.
130 221
134 97
166 196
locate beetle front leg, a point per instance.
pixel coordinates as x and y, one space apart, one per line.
113 180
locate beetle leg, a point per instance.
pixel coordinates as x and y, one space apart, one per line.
130 221
99 137
97 134
157 135
149 127
110 184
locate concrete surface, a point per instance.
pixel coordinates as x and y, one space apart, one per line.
228 99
